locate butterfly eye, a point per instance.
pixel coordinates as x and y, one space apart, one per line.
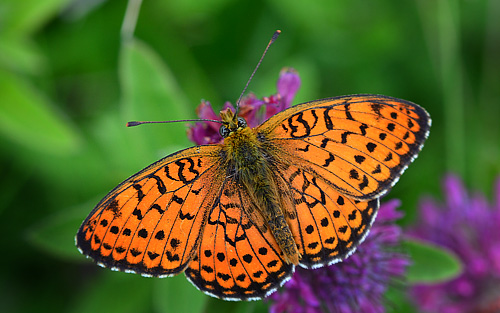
241 122
224 131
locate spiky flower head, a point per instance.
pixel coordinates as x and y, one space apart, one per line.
254 110
470 227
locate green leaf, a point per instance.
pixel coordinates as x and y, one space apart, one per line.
116 292
25 17
192 10
56 234
150 92
27 118
20 55
214 305
398 300
177 294
431 263
149 87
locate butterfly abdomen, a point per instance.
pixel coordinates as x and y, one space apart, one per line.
251 170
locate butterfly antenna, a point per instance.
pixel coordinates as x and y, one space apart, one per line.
136 123
275 36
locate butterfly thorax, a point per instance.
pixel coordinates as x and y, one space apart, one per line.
249 163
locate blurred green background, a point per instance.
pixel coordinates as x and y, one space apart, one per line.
70 78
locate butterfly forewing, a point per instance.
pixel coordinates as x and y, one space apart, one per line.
361 144
150 223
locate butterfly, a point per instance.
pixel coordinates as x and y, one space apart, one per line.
301 189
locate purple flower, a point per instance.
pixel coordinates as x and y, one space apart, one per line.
357 284
253 110
470 227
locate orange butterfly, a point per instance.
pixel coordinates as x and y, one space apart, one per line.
302 189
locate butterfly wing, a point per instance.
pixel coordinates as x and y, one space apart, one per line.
360 144
327 226
237 259
150 224
336 157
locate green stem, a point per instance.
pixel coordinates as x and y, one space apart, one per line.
130 19
452 84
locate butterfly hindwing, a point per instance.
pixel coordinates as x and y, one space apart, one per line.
150 223
361 143
235 259
327 226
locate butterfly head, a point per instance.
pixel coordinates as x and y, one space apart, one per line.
231 123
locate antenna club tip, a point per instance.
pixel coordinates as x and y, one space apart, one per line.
276 34
133 123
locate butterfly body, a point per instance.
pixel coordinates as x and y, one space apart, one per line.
250 160
301 188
